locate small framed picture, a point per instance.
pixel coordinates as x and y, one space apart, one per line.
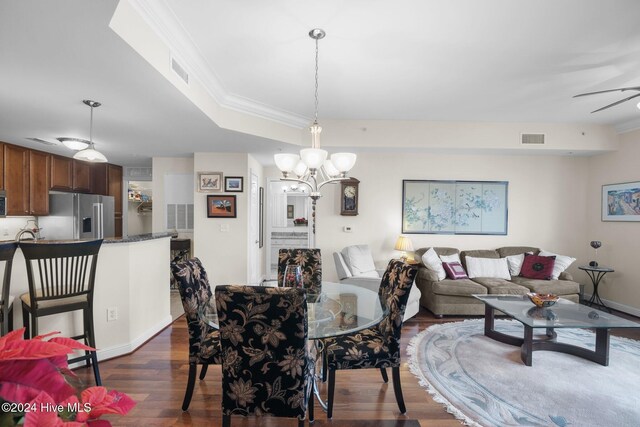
289 211
209 182
221 206
233 184
621 202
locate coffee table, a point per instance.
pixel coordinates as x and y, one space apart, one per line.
564 314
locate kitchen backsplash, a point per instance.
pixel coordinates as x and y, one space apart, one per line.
9 227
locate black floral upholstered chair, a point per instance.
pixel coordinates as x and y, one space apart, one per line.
204 341
266 367
378 346
310 260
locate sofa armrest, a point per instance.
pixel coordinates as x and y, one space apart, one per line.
427 275
565 275
370 283
381 272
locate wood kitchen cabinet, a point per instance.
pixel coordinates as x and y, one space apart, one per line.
39 182
114 188
61 173
2 165
16 179
81 176
99 179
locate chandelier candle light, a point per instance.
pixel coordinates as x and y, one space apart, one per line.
311 167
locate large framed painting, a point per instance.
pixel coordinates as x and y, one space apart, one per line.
454 207
221 206
621 202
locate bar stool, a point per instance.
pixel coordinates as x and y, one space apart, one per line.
6 301
61 279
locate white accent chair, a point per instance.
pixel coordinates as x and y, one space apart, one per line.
355 266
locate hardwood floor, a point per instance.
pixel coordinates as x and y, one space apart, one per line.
156 375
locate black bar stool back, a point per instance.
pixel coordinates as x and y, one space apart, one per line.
7 250
61 279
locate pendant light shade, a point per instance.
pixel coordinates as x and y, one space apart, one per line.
88 152
90 155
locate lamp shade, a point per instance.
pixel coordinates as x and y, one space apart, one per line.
313 157
330 169
300 168
343 161
90 155
403 244
286 161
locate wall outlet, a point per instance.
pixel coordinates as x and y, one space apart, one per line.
112 314
346 229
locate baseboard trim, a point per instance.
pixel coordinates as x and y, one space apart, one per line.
617 306
121 350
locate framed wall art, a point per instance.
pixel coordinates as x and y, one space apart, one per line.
290 210
454 207
621 202
221 206
209 182
349 193
233 184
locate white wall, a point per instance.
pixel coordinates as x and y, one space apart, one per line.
620 240
161 167
547 195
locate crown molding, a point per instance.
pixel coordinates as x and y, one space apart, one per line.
165 24
628 126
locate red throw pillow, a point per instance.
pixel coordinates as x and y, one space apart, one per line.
537 267
454 270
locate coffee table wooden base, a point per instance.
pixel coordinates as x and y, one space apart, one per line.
528 345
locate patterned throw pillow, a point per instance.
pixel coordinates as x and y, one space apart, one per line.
454 270
537 267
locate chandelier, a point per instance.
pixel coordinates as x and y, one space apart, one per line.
312 167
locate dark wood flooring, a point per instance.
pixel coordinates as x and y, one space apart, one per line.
156 374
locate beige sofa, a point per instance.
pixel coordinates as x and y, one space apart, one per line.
454 297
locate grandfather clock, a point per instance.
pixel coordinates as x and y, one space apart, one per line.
349 194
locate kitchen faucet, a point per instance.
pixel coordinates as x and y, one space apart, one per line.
33 231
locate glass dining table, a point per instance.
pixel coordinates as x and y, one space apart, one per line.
339 309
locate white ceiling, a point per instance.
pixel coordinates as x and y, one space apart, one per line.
459 60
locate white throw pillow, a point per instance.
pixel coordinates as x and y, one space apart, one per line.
515 263
360 261
497 268
432 261
562 263
451 258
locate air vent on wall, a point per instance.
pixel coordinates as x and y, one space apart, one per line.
179 70
138 173
532 138
42 141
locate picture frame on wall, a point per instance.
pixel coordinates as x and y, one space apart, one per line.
221 206
455 207
290 211
233 184
209 182
621 202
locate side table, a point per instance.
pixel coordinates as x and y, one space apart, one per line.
596 274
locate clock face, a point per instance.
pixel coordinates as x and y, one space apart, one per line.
350 191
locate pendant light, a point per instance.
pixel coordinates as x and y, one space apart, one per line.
90 154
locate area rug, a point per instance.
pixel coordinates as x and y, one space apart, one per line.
483 382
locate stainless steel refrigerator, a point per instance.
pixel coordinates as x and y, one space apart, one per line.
78 216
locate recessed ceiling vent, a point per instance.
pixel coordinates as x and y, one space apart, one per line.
42 141
179 70
532 138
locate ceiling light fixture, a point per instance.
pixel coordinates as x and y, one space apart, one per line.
74 143
90 154
311 167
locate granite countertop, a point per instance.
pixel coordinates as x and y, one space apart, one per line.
108 240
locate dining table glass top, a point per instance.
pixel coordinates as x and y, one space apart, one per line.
339 309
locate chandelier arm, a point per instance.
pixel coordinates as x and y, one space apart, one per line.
331 181
301 181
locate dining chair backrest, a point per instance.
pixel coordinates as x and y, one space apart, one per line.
310 260
266 368
60 270
7 250
394 293
195 292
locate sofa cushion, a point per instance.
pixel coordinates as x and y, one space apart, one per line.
506 251
515 263
360 261
501 286
477 254
487 267
454 270
462 287
433 262
537 267
562 263
558 287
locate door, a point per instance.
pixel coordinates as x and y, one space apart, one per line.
108 216
39 176
254 230
16 179
89 209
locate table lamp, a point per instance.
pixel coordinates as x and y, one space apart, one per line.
404 245
595 244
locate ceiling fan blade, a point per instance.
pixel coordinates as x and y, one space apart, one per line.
622 89
616 103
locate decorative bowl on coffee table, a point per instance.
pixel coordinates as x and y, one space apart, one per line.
542 300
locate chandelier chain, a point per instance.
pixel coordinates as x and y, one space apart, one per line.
316 95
